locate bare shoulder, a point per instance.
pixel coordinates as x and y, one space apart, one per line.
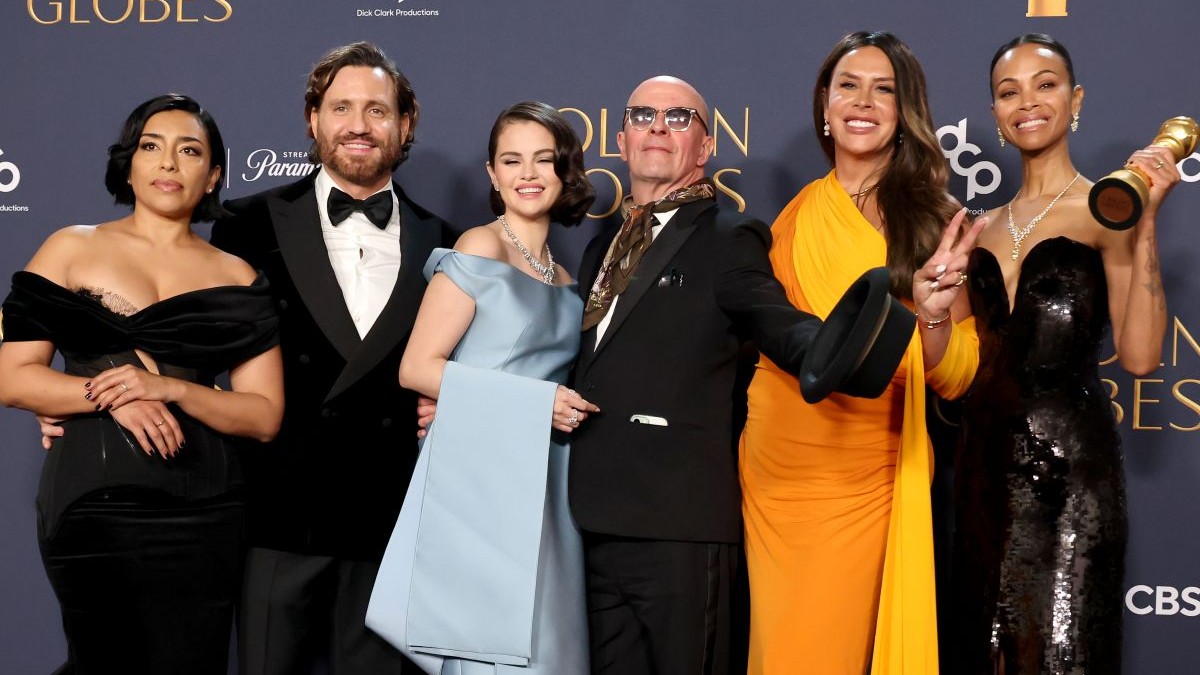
61 249
234 267
483 241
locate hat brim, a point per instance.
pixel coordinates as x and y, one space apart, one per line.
860 344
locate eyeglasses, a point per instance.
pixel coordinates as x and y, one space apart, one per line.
641 117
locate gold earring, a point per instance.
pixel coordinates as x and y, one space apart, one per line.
1074 122
1000 136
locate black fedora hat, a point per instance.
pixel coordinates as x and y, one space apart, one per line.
860 345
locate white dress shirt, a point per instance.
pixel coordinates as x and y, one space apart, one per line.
603 325
365 259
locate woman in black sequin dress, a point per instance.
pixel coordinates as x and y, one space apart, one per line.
140 506
1040 504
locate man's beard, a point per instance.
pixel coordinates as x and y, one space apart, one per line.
364 171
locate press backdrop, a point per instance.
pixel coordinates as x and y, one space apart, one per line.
70 70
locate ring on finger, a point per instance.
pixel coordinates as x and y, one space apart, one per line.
160 423
573 420
572 392
124 387
962 278
1159 165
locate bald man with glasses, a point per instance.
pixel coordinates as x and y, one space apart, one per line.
673 292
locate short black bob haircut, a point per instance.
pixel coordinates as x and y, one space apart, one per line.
577 191
120 154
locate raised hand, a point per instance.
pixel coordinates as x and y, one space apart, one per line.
937 283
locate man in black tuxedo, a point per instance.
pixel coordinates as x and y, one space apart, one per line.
672 293
343 250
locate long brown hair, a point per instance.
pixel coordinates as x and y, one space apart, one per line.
912 192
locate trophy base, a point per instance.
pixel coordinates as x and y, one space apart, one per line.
1115 203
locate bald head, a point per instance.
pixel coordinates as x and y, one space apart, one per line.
673 86
661 160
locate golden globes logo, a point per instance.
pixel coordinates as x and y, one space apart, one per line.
51 12
1047 8
1161 400
600 129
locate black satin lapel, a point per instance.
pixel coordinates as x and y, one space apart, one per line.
668 242
418 238
298 231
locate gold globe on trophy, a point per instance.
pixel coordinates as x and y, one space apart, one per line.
1117 199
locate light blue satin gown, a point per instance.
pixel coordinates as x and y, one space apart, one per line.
484 571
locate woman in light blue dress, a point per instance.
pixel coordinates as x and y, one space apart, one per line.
484 572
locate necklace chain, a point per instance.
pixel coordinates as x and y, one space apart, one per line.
1019 236
545 270
864 191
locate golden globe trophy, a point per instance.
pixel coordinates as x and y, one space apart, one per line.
1117 199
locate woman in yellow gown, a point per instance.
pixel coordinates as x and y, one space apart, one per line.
836 495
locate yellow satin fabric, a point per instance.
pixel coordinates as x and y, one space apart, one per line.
839 539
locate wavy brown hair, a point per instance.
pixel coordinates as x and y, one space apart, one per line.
912 192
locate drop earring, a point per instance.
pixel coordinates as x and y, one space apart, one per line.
496 187
825 129
1000 136
1074 122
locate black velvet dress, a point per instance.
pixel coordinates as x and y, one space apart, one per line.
1040 490
144 553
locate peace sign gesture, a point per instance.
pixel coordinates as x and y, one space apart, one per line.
937 283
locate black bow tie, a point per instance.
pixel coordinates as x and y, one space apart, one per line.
377 208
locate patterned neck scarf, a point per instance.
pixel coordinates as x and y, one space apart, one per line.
630 244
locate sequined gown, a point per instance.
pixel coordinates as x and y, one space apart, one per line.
1040 490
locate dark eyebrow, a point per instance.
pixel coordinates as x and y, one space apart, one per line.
187 139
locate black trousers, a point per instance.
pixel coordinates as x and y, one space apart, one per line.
147 583
299 610
659 607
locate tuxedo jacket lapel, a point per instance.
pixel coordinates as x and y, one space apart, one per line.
418 236
668 242
298 231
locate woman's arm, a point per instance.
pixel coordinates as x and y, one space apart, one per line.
446 312
253 409
1137 302
938 288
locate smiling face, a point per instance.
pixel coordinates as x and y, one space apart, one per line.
172 167
1032 97
661 160
357 129
523 169
861 106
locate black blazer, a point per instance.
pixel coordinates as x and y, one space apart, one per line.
333 480
671 352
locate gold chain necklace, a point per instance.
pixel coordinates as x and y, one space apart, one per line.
1019 236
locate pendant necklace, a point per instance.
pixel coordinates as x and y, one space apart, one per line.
1019 236
546 271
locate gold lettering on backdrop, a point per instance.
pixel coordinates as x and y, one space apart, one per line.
58 13
1177 330
73 18
111 12
618 192
587 125
228 12
166 11
1113 390
1138 400
179 12
604 133
742 143
1047 8
100 14
1188 403
741 203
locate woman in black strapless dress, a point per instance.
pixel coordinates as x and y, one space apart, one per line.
1040 504
140 503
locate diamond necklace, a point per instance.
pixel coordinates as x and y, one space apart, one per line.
545 270
1018 236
